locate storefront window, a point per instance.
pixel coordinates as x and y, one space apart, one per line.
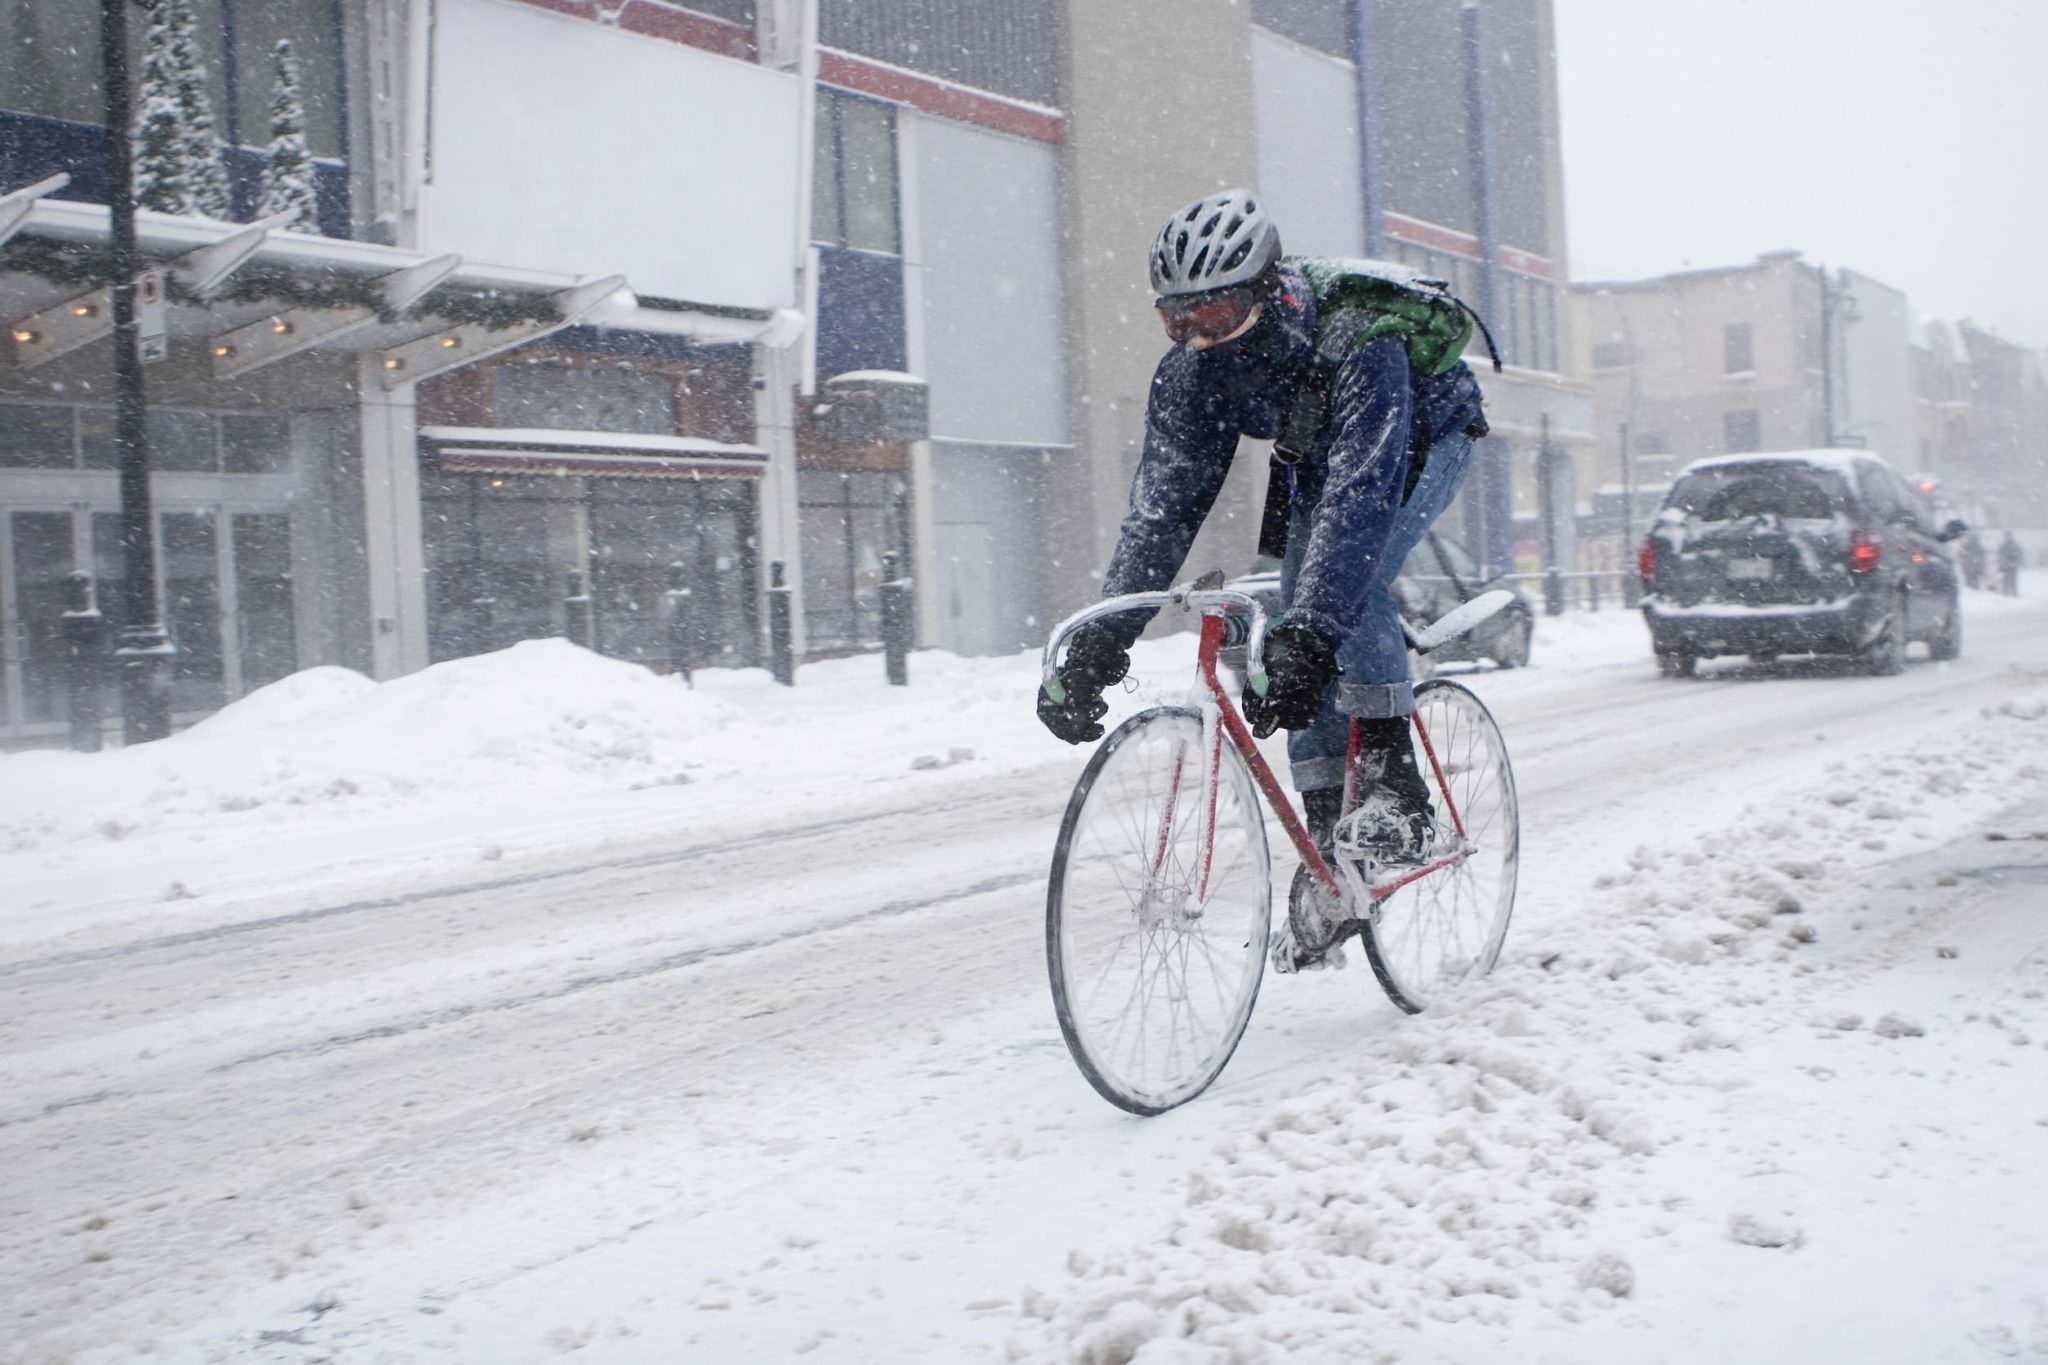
255 445
584 398
500 549
848 520
34 436
181 441
191 575
263 593
50 58
42 557
315 40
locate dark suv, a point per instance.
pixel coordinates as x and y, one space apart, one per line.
1807 552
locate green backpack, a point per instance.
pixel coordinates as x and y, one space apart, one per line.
1359 301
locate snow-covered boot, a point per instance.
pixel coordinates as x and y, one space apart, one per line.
1394 823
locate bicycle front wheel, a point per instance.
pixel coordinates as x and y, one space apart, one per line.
1447 927
1155 936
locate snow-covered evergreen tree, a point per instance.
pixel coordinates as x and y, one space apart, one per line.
207 171
287 166
161 179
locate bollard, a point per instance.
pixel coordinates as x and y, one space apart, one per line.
1553 592
576 610
780 660
85 649
1592 592
895 623
1631 589
676 602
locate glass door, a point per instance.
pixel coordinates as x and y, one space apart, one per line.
41 550
266 629
189 547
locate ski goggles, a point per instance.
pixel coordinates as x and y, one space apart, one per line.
1214 315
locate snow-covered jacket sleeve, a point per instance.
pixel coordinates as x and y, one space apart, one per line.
1191 431
1372 416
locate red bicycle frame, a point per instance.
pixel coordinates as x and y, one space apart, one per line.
1232 724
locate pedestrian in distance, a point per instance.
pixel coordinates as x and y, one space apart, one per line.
2010 558
1354 369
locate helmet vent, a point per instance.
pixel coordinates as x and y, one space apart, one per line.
1220 241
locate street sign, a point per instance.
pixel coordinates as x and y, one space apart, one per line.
152 341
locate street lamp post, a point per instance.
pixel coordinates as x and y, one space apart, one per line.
143 652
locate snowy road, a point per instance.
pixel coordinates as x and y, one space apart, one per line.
802 1092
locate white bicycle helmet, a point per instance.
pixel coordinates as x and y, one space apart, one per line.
1216 242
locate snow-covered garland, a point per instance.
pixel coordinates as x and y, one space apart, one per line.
89 268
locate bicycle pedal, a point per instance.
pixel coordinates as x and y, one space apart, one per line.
1287 961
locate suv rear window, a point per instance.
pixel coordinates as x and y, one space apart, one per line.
1733 491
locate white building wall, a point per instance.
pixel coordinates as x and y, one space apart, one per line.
557 144
1307 110
1877 378
987 328
989 272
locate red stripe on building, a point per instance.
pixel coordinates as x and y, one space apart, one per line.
1437 237
937 97
576 9
689 29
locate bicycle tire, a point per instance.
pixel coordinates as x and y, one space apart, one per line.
1400 927
1125 907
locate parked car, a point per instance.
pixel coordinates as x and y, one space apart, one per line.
1802 552
1438 577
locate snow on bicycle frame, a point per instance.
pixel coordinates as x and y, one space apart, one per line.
1225 613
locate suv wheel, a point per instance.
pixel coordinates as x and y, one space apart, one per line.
1948 641
1676 663
1886 655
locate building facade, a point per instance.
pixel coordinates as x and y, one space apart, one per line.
618 306
1775 355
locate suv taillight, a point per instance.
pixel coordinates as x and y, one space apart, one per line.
1646 560
1864 552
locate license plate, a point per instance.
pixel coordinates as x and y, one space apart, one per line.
1751 568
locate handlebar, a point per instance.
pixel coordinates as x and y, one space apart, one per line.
1197 596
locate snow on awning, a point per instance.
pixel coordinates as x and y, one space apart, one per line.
351 290
605 454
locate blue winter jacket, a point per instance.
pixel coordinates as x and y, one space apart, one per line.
1348 484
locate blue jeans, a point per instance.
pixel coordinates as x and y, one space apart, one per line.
1375 657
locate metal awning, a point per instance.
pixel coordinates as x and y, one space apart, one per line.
48 319
605 454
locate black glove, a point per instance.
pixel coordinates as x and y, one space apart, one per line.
1300 666
1094 661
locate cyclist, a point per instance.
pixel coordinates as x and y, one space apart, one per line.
1383 465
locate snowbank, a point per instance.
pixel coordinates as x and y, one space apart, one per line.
1599 1131
542 712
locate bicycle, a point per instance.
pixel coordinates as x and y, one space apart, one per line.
1160 899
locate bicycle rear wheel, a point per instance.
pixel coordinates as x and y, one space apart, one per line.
1448 927
1156 951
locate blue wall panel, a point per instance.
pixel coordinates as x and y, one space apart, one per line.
32 147
860 311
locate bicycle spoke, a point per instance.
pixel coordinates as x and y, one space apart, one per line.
1151 999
